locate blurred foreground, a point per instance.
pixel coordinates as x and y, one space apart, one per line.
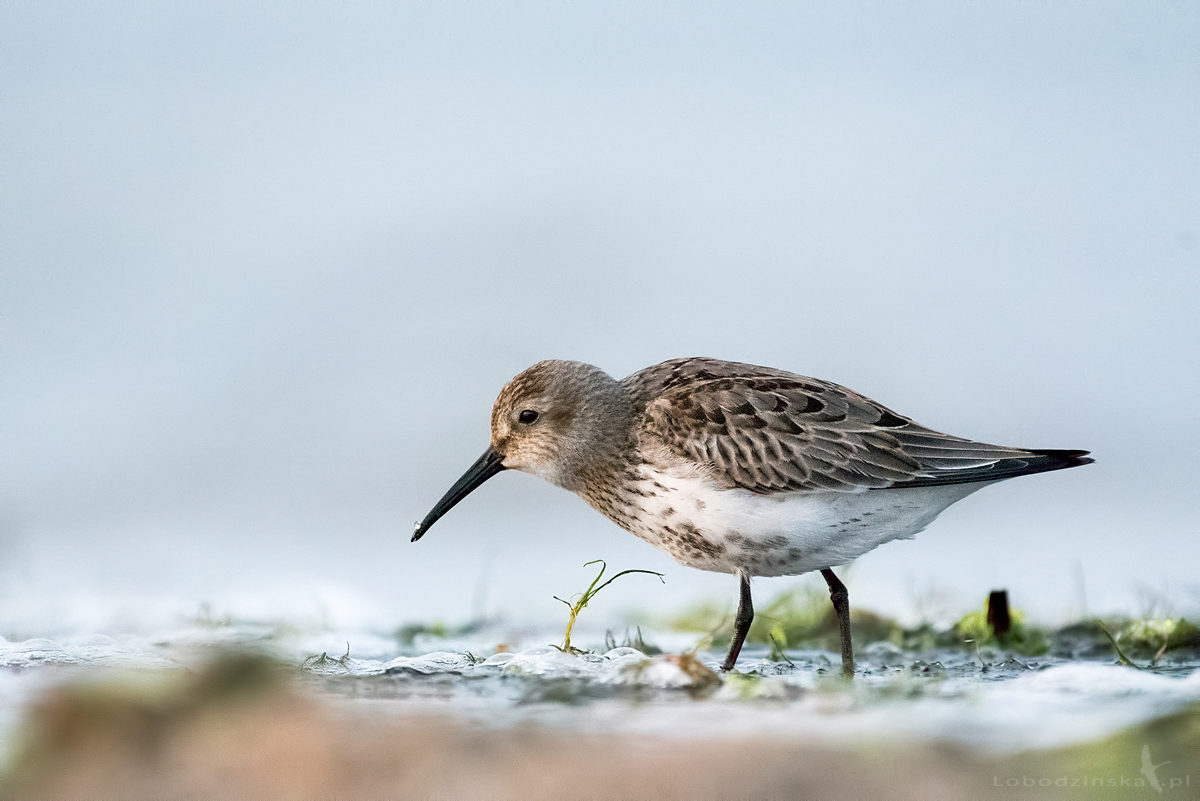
244 728
247 726
216 707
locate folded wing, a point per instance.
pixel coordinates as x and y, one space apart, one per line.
768 431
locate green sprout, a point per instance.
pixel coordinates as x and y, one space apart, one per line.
578 602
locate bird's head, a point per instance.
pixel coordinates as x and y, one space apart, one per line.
557 419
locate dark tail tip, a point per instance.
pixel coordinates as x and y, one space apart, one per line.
1059 459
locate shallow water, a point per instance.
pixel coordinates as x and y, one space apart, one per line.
499 676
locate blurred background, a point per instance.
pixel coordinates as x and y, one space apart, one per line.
266 266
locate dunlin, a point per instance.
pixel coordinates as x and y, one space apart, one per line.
738 469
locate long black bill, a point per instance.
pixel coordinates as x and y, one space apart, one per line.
484 468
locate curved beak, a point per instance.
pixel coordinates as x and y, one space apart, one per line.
484 468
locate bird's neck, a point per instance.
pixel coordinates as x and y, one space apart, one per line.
605 453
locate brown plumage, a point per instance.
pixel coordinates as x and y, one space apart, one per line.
768 430
738 468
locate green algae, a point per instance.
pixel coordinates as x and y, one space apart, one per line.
799 617
973 628
802 617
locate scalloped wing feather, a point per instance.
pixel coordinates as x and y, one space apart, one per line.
768 431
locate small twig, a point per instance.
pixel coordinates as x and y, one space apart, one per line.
1159 654
978 655
777 651
1124 660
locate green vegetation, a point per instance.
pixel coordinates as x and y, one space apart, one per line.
636 641
579 602
1150 639
1160 636
796 618
1121 657
803 618
778 651
406 635
974 628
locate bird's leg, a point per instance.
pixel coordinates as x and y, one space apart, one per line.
841 607
741 624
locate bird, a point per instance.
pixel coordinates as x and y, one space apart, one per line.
1150 770
736 468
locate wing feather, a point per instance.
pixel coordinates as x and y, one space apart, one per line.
768 430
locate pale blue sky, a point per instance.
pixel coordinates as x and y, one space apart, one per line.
266 266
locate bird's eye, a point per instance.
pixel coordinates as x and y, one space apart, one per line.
527 416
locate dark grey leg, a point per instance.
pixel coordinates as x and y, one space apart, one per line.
841 607
741 624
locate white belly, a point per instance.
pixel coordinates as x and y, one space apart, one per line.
783 534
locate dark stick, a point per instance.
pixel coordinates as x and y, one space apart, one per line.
741 624
841 607
997 613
